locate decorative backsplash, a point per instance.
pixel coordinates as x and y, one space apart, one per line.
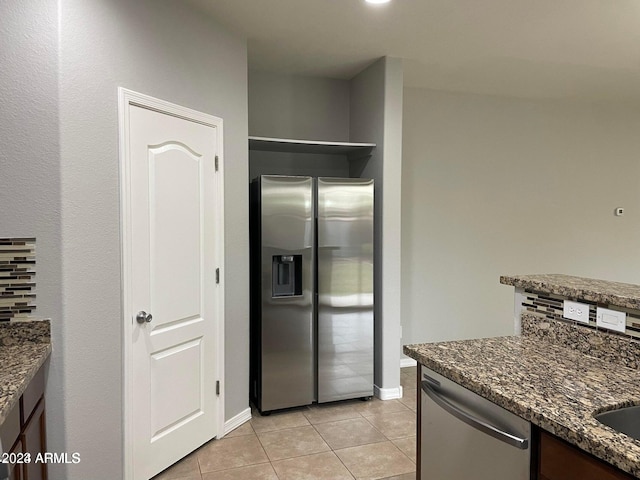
17 282
542 297
551 307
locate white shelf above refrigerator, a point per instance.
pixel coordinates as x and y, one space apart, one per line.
288 145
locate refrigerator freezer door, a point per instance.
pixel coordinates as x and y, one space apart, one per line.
345 288
287 208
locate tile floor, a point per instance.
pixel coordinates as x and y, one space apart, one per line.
345 440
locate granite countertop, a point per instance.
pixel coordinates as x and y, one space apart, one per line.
600 291
24 347
555 387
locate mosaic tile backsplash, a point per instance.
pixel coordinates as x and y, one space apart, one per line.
17 282
550 306
542 298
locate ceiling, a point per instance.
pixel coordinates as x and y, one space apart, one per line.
585 49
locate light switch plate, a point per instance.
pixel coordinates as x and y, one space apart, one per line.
611 319
576 311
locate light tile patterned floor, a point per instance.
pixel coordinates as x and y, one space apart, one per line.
345 440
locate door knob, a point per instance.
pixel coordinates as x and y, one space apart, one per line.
143 317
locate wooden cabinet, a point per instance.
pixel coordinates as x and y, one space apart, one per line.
10 436
15 472
558 460
33 438
24 430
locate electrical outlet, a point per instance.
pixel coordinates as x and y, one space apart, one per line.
611 319
576 311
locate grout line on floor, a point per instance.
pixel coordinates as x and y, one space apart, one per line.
264 449
308 410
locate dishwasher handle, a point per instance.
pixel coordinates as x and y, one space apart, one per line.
521 443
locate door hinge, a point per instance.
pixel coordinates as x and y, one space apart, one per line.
216 163
217 387
217 275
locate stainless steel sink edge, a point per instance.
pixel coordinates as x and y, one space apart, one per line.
623 418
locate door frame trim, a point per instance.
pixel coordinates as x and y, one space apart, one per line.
125 99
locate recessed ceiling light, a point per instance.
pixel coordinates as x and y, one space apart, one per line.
377 1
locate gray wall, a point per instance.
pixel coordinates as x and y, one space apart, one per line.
293 106
30 165
376 116
315 165
30 153
298 107
494 186
59 182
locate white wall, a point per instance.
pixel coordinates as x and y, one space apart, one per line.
164 49
376 116
494 186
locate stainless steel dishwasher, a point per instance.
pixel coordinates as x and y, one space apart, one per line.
465 436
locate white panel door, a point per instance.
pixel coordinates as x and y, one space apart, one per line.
173 279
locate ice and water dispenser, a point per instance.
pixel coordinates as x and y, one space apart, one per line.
286 275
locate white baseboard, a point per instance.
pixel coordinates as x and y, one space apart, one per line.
407 362
233 423
387 393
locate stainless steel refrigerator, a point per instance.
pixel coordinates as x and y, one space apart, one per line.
311 290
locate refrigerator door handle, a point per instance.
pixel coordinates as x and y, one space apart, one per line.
469 419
